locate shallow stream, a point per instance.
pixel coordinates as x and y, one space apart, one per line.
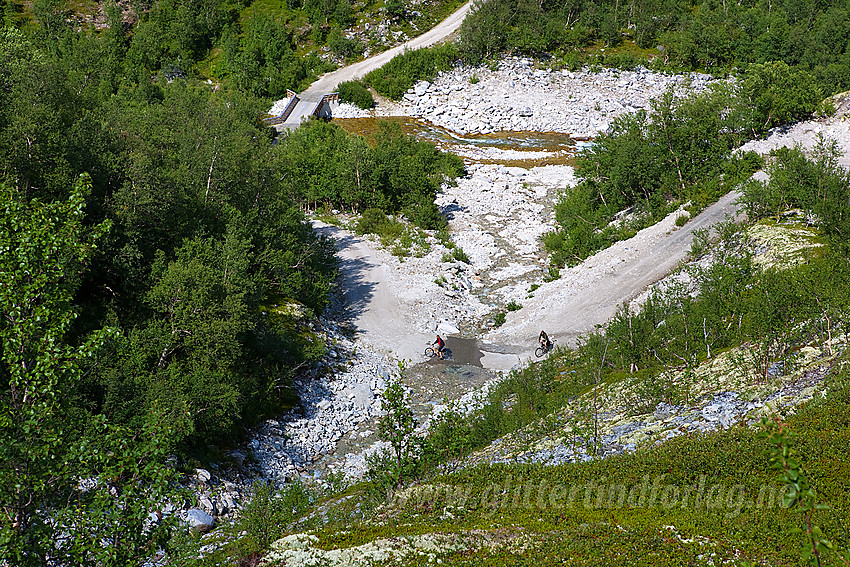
555 148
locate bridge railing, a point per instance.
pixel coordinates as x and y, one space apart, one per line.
290 106
328 98
294 100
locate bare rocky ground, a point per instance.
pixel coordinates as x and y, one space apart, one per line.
807 134
390 307
518 96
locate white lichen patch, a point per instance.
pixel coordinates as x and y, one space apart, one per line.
721 392
292 309
301 550
783 245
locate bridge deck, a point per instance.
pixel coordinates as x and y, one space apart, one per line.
299 108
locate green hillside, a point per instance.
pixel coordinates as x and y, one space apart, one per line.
161 287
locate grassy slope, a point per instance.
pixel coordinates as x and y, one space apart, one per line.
512 528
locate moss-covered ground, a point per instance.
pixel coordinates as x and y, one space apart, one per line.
696 500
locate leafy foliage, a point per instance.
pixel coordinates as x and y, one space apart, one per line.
76 489
799 493
819 186
345 48
356 93
646 164
397 427
181 173
376 221
322 164
393 79
509 25
777 94
259 57
269 512
766 39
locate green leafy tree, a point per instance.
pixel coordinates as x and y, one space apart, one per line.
694 133
800 495
73 488
261 60
398 427
778 93
36 111
201 301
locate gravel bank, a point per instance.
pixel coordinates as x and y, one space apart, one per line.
517 96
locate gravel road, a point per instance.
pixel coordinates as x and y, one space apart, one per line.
590 293
328 82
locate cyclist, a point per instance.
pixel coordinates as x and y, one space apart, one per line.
544 341
441 344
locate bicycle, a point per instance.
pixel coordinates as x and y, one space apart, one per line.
541 350
431 352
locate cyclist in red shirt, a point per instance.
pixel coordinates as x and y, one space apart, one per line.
441 344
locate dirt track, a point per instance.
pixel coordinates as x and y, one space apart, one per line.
585 296
590 294
328 82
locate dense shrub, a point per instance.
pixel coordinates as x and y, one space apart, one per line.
265 517
393 79
508 25
345 47
373 221
324 165
819 186
259 57
776 94
356 93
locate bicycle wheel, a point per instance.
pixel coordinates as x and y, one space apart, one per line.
430 351
540 351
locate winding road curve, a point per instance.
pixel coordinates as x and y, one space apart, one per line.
328 82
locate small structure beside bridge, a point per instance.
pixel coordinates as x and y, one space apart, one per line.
298 107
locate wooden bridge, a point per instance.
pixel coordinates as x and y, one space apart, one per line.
301 107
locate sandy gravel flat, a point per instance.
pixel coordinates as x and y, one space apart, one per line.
373 298
590 293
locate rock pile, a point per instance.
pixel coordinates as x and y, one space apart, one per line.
331 408
497 215
517 96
